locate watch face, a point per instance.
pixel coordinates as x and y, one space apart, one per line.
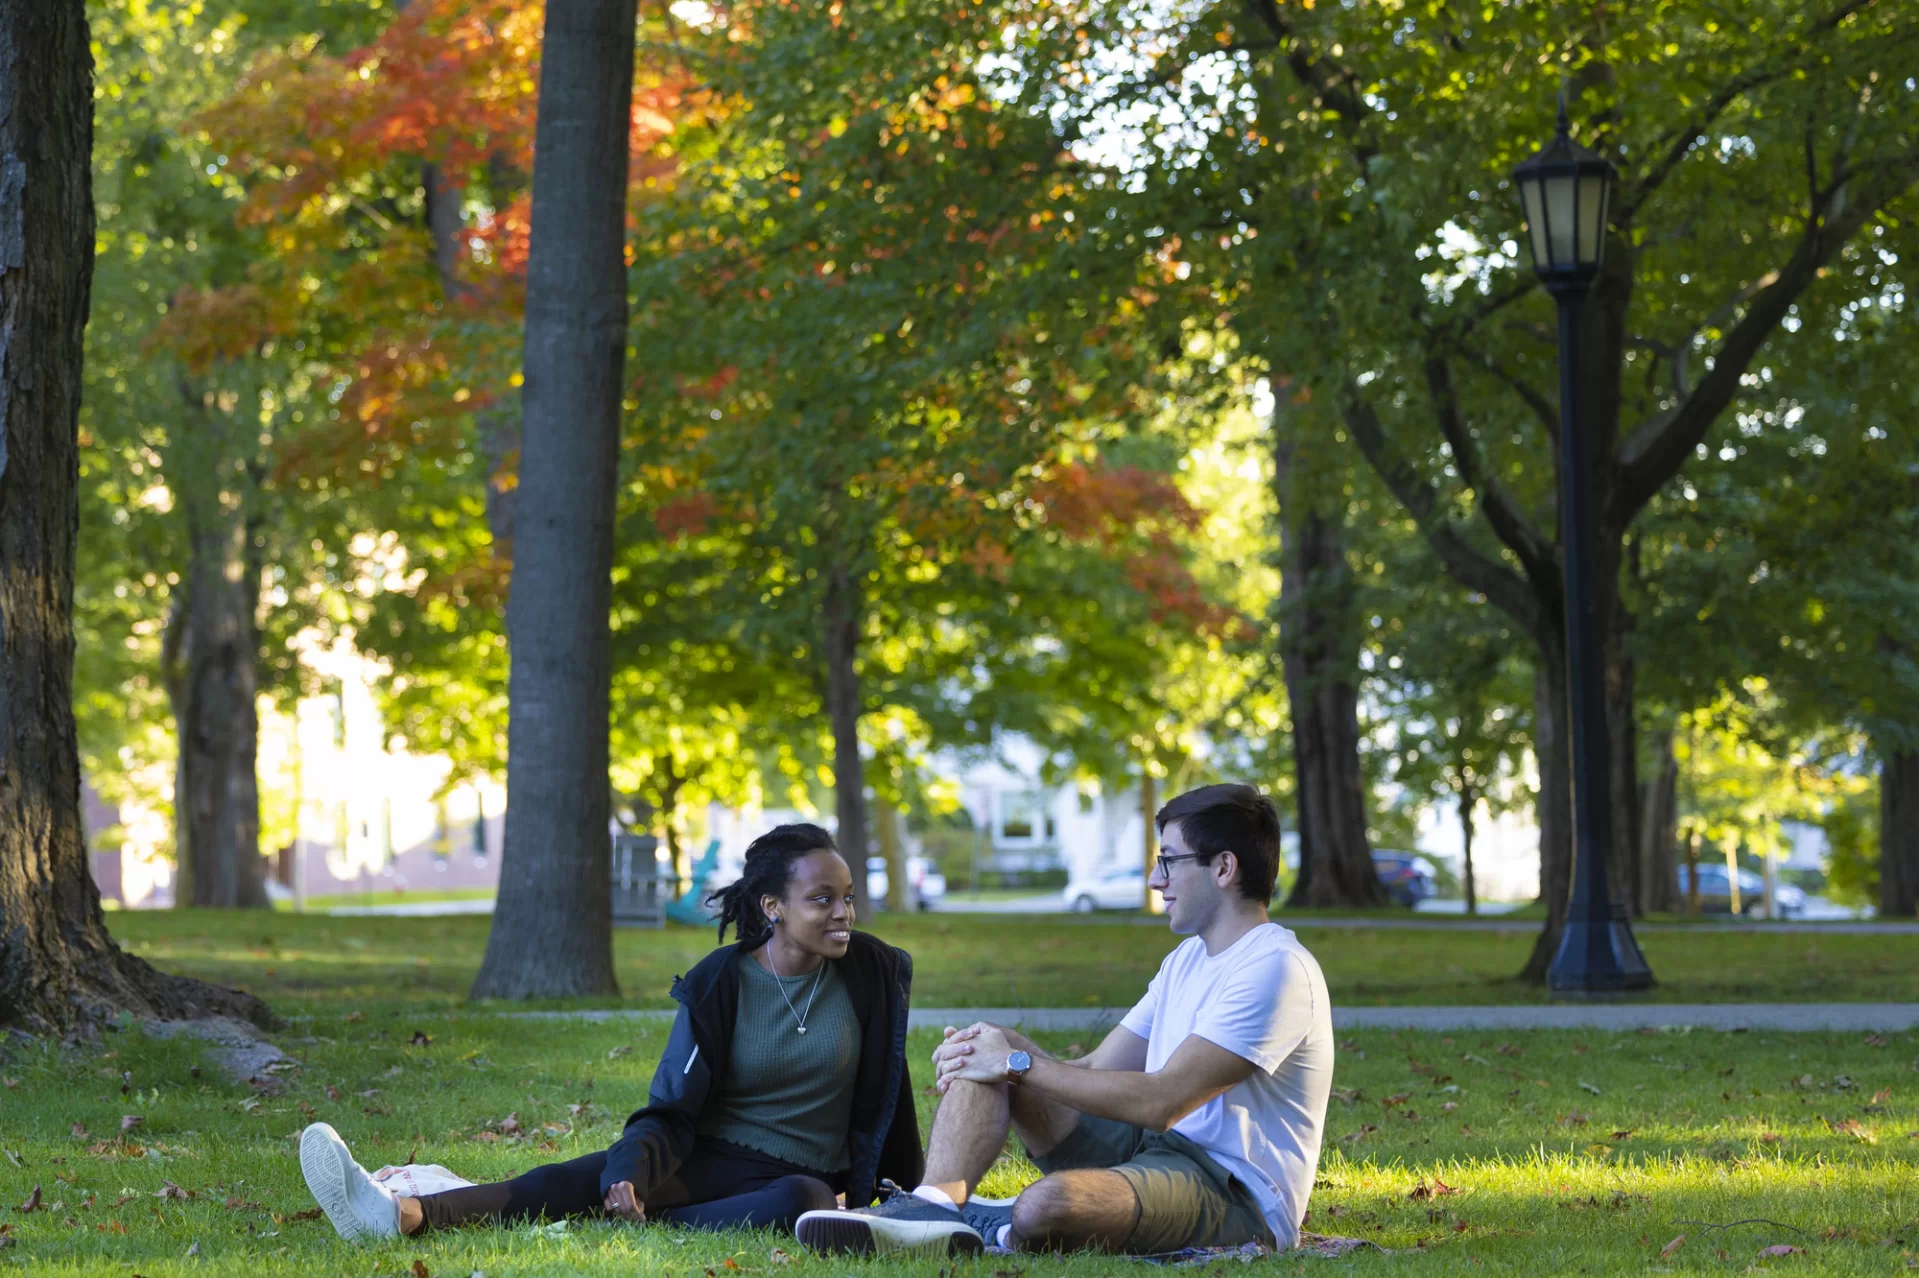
1019 1062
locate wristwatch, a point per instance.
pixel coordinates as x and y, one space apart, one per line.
1017 1063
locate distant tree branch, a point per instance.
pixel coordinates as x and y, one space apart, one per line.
1501 509
1654 452
1676 143
1334 85
1471 567
1543 409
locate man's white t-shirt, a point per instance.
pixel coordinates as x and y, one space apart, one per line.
1263 999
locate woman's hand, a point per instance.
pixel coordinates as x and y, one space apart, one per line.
622 1204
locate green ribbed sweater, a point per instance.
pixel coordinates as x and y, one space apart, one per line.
787 1094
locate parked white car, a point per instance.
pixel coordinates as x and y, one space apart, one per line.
928 884
1112 890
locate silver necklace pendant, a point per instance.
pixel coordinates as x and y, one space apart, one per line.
799 1017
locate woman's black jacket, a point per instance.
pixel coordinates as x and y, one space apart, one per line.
885 1138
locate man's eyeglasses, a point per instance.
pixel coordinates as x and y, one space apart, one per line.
1165 863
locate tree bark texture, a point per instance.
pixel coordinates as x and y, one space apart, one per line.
210 659
552 933
1319 653
1552 746
842 616
1625 863
1468 800
1153 902
1659 830
60 971
1899 835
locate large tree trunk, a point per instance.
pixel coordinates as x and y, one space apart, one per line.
1319 650
552 933
59 969
1659 831
210 659
842 615
1552 747
1899 835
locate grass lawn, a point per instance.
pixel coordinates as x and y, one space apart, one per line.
1523 1153
1013 960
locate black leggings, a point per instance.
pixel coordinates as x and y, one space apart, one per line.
720 1186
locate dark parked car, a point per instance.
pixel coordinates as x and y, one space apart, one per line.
1408 878
1715 893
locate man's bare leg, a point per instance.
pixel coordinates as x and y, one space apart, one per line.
969 1131
1073 1210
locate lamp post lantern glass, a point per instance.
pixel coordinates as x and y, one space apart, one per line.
1567 193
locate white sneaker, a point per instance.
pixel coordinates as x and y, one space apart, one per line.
358 1205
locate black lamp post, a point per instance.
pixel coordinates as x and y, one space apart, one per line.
1567 191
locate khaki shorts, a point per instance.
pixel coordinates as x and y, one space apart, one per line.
1185 1198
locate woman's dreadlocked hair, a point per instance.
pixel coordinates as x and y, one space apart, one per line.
769 868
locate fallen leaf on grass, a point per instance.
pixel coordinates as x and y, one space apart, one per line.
351 1017
1588 1087
1881 1096
1573 1119
332 1092
194 1250
617 1052
1466 1130
130 1121
80 1132
1624 1133
1437 1189
419 1269
33 1202
236 1203
510 1125
1398 1099
111 1227
1449 1107
420 1039
1854 1128
1782 1249
1875 1040
14 1159
1768 1138
1353 1138
778 1257
10 1082
1672 1246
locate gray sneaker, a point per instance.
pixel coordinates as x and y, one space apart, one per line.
904 1222
358 1205
987 1216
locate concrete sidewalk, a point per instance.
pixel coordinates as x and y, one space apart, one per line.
1614 1017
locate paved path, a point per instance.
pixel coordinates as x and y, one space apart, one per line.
1816 1017
413 909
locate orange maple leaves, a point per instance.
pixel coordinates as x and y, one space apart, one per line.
338 151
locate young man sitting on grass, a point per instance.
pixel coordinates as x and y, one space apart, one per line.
1196 1123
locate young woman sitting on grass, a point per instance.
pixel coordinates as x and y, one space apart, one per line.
784 1082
